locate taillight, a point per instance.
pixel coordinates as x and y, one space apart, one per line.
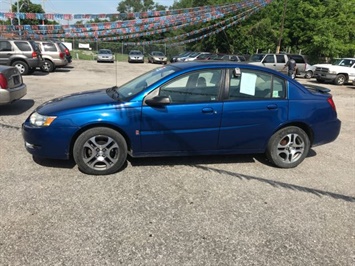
331 102
67 52
34 54
61 55
3 82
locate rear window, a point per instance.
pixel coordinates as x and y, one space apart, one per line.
299 59
23 46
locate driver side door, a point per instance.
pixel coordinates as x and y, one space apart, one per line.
190 122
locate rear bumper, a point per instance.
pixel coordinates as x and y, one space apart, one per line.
327 132
33 63
11 95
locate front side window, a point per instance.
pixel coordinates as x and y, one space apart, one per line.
245 84
269 59
197 86
5 46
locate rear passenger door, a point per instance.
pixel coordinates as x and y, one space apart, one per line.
281 60
256 104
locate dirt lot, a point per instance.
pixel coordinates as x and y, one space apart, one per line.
227 210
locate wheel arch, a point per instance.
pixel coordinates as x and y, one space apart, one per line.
97 125
18 59
346 75
306 128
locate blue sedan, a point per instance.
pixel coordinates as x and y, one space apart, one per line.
195 108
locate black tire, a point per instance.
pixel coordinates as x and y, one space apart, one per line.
48 66
21 66
340 79
100 151
309 74
288 147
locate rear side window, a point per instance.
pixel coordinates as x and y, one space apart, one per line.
49 47
248 85
23 46
280 58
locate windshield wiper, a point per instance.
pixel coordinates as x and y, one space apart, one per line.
113 92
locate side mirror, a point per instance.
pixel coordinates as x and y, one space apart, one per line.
158 101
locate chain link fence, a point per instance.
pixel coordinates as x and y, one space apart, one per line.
91 47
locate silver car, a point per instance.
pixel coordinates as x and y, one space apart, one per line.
12 87
105 55
53 54
135 56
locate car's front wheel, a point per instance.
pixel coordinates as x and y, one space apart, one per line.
100 151
340 79
22 67
288 147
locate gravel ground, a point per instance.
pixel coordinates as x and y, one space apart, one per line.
226 210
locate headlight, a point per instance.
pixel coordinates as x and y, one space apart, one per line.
41 120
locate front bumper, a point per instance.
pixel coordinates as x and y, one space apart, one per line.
48 142
324 76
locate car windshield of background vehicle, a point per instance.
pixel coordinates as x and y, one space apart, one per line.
137 85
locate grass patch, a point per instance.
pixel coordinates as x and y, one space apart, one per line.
91 55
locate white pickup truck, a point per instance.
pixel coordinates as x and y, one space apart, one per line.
340 72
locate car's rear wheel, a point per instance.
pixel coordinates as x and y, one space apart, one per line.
340 79
48 66
100 151
288 147
21 66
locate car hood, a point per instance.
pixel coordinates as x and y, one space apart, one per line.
78 102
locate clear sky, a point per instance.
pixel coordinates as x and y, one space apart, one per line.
77 6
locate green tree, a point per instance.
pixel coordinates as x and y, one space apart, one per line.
26 6
127 6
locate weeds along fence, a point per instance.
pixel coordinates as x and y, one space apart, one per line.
90 48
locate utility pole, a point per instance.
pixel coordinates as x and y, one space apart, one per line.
282 27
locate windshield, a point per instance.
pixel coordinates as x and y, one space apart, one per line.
345 62
137 85
104 52
136 52
158 53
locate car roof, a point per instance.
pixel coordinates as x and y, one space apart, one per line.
219 64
